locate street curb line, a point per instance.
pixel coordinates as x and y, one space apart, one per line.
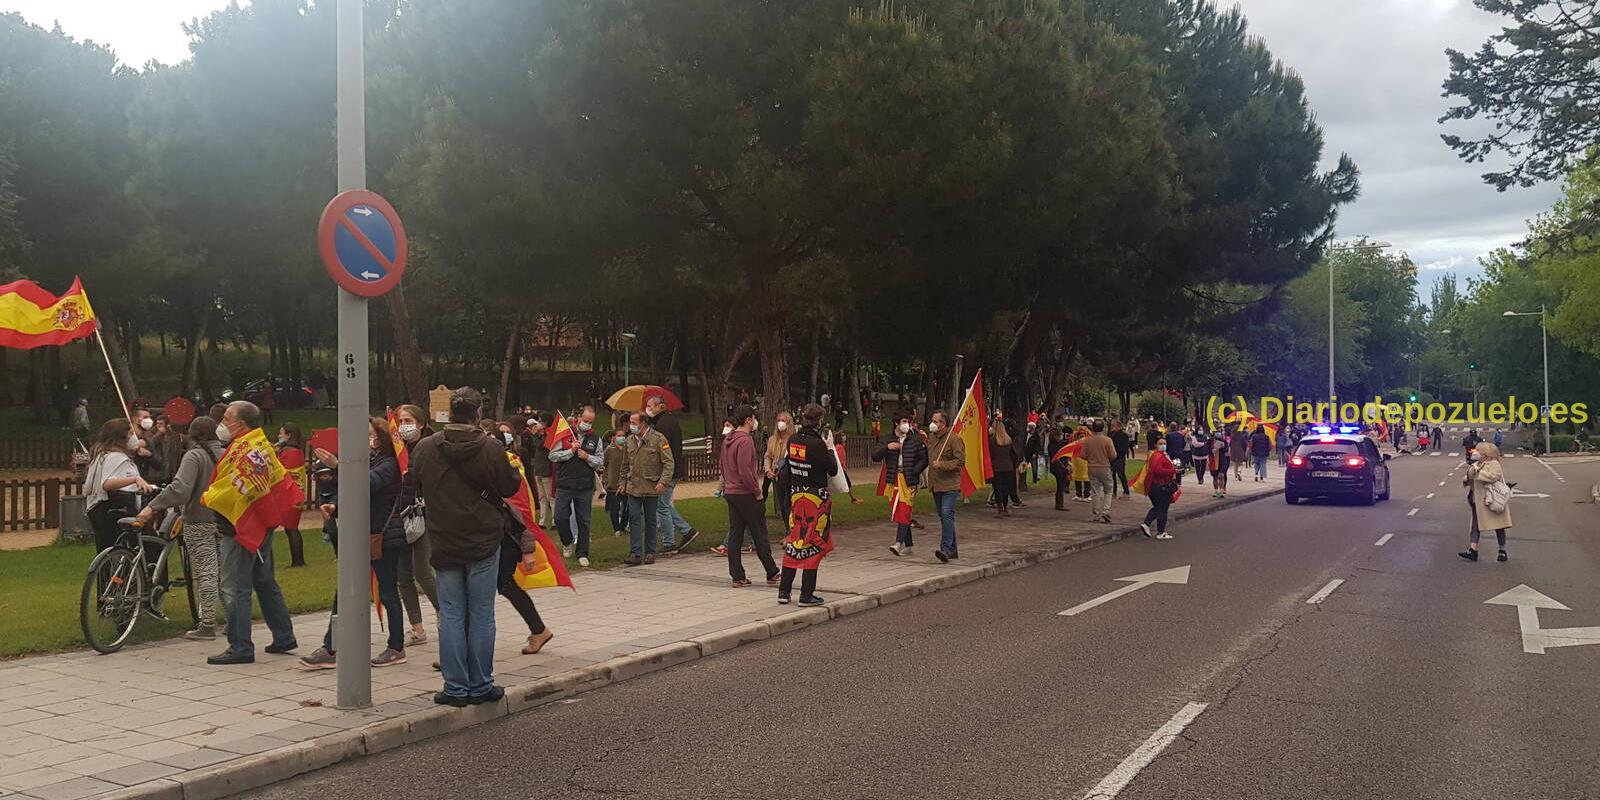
273 766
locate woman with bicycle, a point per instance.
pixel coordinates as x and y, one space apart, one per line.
112 483
188 485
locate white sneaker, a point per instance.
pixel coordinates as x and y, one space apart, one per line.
905 549
1144 527
584 561
1164 536
566 551
895 548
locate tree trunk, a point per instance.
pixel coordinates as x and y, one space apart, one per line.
683 377
119 362
816 363
505 367
855 395
412 388
191 353
1021 360
291 336
774 371
1058 372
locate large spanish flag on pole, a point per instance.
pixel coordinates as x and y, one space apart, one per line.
32 317
253 490
548 568
972 426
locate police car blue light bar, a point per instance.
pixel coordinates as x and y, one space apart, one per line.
1322 429
1349 428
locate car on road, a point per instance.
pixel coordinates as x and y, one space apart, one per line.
1340 464
284 391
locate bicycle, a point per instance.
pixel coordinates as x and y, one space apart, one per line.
122 583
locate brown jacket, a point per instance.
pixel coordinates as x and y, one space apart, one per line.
948 453
1099 451
649 462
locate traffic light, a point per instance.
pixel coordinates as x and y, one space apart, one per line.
1412 398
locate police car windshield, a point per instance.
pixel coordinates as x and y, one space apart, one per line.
1313 446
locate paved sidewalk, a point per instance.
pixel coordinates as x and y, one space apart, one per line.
154 721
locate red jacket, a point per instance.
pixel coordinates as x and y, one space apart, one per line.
1161 469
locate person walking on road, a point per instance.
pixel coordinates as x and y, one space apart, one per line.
949 455
1098 453
904 453
645 472
810 464
676 532
577 461
741 490
462 477
1260 450
1161 483
1489 497
1438 438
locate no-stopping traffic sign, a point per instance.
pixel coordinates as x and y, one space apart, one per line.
362 243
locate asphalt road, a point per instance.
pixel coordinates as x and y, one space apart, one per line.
1401 683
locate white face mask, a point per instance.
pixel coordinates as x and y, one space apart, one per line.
585 427
782 426
508 437
409 432
727 429
933 427
224 434
147 423
905 427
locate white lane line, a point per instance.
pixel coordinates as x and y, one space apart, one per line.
1430 494
1118 779
1441 483
1453 455
1322 594
1552 469
1413 512
1383 540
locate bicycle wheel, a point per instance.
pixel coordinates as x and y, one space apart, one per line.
113 591
188 580
158 575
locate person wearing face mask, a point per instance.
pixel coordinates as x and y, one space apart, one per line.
676 532
413 569
776 483
577 460
944 478
144 455
645 472
112 483
291 447
742 493
166 447
1161 481
903 453
616 501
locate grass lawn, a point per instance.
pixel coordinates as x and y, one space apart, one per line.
39 589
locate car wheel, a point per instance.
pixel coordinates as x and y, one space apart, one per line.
1291 498
1387 486
1371 497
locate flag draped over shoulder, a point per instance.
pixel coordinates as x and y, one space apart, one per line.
1069 450
401 455
32 317
970 426
1248 422
548 568
253 490
1140 482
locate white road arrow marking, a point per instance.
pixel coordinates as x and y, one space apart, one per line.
1536 639
1383 540
362 210
1540 495
1137 582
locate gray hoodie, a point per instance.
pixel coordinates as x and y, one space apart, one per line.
190 482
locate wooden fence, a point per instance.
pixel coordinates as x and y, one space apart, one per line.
37 452
35 504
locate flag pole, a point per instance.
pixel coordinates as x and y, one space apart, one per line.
99 337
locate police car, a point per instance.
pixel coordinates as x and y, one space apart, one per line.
1336 463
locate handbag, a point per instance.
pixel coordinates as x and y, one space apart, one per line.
1497 496
414 521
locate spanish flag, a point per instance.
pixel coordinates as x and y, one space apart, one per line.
251 488
1140 482
32 317
900 511
548 568
559 432
401 454
1069 450
972 426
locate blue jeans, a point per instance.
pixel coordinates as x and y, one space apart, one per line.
617 510
387 570
1261 466
466 626
242 573
945 502
573 508
642 520
669 523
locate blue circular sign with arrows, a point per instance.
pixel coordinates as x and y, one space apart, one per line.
362 243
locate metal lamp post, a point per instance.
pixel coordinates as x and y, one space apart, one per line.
1544 342
627 356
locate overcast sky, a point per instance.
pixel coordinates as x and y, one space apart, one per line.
1372 70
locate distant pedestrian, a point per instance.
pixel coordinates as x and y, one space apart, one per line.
462 476
810 464
741 490
1161 483
776 483
577 461
676 532
1238 449
1499 438
1177 444
904 453
616 501
1080 468
1438 438
1221 455
1199 453
1489 497
645 472
1098 453
1260 449
1061 469
1002 456
948 454
1122 440
1152 434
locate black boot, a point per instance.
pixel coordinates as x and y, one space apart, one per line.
1469 554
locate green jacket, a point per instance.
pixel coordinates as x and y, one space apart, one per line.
947 453
649 461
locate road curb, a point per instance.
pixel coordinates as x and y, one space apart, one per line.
253 772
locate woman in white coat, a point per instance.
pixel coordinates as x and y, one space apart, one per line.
1484 472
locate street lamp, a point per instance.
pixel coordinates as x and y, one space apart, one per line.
627 356
1362 247
1544 340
